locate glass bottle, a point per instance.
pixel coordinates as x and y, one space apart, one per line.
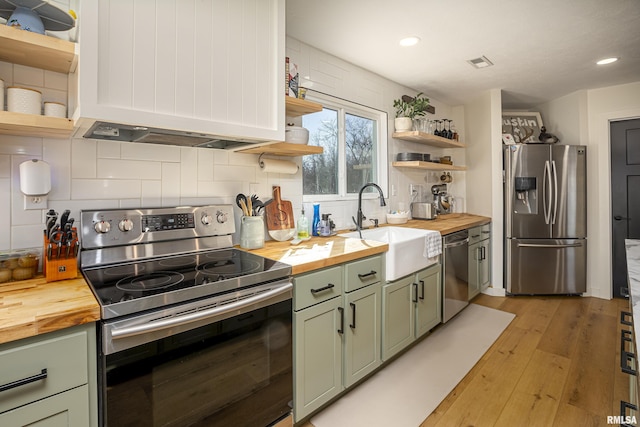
316 219
303 226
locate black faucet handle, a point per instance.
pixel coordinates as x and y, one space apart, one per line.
375 222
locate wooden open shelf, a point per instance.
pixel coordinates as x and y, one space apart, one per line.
429 166
37 50
299 107
33 125
283 149
428 139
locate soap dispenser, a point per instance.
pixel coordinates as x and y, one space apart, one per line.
303 226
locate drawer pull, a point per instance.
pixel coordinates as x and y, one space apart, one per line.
624 321
371 273
41 376
324 288
625 356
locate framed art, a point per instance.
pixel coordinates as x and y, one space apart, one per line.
523 126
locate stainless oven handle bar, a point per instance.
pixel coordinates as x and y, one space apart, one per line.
199 315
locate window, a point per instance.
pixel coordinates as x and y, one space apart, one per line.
354 141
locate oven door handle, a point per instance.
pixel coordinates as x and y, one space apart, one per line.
199 315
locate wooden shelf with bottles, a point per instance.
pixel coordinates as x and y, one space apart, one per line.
428 139
428 166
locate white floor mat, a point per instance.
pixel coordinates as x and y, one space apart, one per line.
405 392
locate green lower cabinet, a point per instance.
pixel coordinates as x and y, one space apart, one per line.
67 409
429 304
317 356
479 267
411 307
362 333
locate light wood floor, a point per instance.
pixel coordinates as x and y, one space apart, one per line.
557 364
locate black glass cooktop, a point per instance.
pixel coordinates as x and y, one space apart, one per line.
138 286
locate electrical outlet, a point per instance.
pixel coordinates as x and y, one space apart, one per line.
393 190
413 188
35 202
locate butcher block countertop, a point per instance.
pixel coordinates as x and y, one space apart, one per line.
32 307
320 252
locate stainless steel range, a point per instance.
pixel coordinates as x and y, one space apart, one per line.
193 330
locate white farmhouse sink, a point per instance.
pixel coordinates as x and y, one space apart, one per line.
406 248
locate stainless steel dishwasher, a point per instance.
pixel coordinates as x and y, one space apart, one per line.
455 295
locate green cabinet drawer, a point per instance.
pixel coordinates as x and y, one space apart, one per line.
42 366
318 286
481 232
361 273
68 409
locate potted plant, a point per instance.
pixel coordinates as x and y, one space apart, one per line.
407 109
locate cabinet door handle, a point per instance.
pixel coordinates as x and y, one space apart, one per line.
623 321
324 288
371 273
415 292
484 253
341 329
422 289
353 318
623 411
41 376
625 356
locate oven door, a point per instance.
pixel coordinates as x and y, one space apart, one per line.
217 362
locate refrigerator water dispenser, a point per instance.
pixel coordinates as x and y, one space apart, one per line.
526 195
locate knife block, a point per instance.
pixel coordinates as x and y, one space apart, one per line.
64 266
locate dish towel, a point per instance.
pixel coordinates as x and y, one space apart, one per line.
433 245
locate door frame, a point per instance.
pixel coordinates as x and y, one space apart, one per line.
599 262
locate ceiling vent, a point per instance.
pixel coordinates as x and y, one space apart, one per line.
482 62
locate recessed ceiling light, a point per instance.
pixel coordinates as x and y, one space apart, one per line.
607 61
482 62
410 41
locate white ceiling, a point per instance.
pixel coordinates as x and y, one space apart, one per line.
541 49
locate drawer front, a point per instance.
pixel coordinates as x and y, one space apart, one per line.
41 366
479 233
312 288
361 273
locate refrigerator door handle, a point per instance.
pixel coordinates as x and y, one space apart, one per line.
534 245
546 188
555 192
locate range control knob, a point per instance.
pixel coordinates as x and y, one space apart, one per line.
102 227
125 225
221 217
206 219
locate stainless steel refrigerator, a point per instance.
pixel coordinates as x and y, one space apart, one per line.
545 219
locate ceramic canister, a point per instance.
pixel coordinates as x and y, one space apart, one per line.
23 100
55 109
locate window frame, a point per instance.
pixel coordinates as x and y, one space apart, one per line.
381 119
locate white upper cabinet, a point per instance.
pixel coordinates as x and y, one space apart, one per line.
209 66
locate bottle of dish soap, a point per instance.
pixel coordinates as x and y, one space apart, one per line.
303 226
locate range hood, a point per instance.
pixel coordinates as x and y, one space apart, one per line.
144 134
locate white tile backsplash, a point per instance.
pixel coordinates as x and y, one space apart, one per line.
108 149
157 152
128 169
83 158
88 189
28 76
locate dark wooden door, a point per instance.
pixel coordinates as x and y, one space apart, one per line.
625 196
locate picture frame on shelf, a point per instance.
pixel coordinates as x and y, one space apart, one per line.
523 126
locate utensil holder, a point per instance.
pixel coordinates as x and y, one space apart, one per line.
251 232
60 262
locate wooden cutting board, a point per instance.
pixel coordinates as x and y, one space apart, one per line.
279 212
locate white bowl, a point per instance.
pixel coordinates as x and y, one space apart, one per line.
296 135
23 100
397 218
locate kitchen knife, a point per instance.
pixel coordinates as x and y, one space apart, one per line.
64 218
